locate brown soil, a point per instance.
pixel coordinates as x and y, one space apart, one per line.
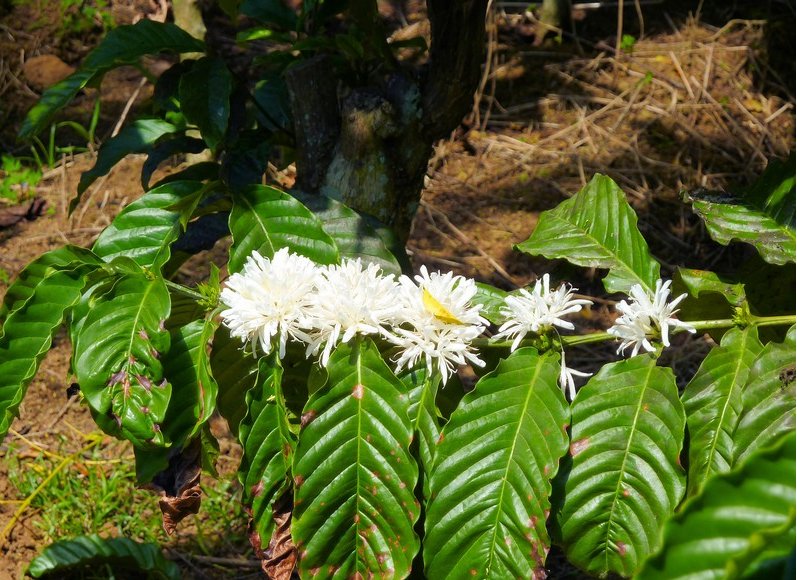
687 108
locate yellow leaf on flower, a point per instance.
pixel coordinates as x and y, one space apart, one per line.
438 310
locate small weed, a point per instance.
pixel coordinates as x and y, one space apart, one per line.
97 495
627 43
75 17
18 182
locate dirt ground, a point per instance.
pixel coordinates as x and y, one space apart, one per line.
696 102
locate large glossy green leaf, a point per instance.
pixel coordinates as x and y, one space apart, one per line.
137 137
768 399
268 446
145 229
713 403
205 98
28 332
122 45
265 219
424 417
352 233
716 532
92 553
492 300
763 215
235 372
166 148
354 507
270 12
117 357
626 479
491 479
194 390
597 228
23 287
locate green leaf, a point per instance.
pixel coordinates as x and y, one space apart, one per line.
194 390
145 229
63 258
351 232
709 536
491 480
122 45
762 216
354 507
424 418
29 329
265 219
166 148
626 479
768 400
596 228
205 98
235 373
138 137
94 553
713 403
268 446
117 357
246 156
270 12
699 282
491 299
274 106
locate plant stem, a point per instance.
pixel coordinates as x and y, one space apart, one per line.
184 290
773 320
604 336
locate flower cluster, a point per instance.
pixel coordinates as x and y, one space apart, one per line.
430 319
646 317
539 310
288 296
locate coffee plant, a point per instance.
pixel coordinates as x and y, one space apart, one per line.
363 455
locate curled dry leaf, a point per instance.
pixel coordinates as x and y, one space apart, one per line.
178 486
279 559
13 215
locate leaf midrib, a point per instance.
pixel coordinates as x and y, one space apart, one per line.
627 267
129 350
643 390
499 508
715 437
245 201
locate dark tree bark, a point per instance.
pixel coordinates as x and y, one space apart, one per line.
369 145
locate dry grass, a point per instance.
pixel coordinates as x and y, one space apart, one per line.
683 110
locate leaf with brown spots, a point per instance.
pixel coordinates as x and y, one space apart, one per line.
768 399
354 508
120 372
268 446
491 479
713 402
625 481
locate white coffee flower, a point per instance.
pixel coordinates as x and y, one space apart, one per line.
566 378
436 322
351 299
442 347
645 317
270 298
538 310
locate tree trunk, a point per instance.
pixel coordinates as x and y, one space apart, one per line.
369 145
